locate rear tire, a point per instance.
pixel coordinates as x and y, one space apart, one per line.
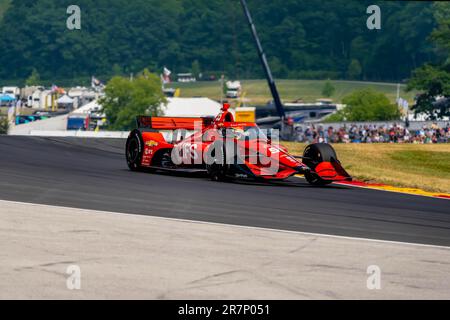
315 154
134 150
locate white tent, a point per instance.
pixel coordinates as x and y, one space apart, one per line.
176 107
191 107
88 108
65 99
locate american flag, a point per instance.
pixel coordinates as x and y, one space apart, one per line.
56 89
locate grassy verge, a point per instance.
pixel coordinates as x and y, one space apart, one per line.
23 111
258 92
405 165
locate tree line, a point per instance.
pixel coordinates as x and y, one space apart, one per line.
312 39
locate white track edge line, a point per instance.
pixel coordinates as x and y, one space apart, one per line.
228 225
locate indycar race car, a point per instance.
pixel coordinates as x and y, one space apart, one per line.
225 149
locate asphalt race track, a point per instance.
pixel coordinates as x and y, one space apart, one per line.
92 174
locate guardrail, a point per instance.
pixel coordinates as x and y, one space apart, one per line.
413 125
78 134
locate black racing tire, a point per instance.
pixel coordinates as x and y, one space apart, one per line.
315 154
217 168
134 150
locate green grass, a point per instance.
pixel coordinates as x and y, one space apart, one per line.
257 91
428 163
24 111
420 166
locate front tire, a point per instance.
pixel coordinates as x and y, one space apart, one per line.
315 154
134 150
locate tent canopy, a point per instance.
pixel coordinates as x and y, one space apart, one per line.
93 106
65 99
191 107
6 98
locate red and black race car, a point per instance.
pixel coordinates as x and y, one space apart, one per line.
225 149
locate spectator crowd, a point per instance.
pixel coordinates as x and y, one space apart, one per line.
371 133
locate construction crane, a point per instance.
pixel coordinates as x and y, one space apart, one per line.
286 126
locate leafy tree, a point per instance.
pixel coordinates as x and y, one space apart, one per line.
117 70
354 70
34 79
195 69
328 89
434 79
4 125
311 39
126 99
366 105
4 5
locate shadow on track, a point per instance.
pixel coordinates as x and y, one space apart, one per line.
285 183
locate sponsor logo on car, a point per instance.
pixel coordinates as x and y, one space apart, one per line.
152 143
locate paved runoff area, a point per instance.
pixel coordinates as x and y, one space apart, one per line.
164 236
51 252
92 174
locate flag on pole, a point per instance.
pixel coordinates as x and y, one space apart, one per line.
96 84
166 75
56 89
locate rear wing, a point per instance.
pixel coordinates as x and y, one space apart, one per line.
171 123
